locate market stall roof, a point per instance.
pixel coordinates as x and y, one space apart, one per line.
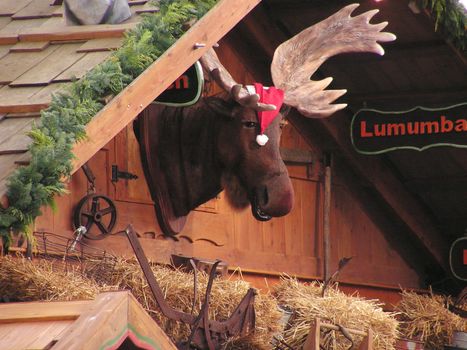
114 320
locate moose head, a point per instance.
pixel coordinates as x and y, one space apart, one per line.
226 142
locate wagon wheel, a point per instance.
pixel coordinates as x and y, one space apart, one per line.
97 213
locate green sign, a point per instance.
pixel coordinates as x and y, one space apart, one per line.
184 91
374 132
458 258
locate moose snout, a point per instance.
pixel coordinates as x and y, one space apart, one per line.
276 197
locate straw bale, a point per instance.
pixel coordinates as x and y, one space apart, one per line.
40 279
178 289
24 280
336 308
426 317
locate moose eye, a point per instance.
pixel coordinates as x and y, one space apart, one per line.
250 124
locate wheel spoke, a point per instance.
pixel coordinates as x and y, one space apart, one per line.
102 227
106 211
95 205
89 215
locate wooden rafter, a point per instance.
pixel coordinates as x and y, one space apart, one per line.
143 90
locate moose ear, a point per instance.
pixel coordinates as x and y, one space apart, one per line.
220 106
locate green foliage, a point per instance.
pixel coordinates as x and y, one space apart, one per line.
63 122
451 18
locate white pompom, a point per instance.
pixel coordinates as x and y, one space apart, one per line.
262 139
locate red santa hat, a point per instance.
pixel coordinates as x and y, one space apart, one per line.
267 95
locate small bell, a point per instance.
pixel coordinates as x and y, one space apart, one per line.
262 139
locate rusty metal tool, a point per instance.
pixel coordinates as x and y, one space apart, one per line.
206 333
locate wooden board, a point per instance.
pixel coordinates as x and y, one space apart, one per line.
31 335
10 7
105 44
51 66
41 311
13 138
82 66
17 63
15 27
4 21
35 9
29 46
4 49
19 96
144 8
63 32
27 99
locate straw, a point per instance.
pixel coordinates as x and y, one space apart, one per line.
335 308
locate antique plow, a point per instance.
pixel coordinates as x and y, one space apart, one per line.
205 333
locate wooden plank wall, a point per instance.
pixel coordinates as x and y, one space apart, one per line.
291 245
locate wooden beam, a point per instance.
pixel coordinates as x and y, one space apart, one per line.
142 91
42 311
88 32
399 99
374 171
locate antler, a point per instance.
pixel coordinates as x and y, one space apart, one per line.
296 59
212 65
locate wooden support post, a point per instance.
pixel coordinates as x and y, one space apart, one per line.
367 342
312 341
327 218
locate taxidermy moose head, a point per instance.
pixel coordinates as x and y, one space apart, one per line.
190 154
84 12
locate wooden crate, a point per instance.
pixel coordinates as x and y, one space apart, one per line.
313 339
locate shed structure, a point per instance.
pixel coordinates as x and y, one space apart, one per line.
396 214
114 320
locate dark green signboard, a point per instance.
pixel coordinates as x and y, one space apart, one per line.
458 258
374 132
184 91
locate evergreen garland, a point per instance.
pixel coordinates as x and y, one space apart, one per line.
451 18
63 122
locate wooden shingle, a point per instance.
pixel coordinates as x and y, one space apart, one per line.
82 66
10 7
17 63
35 9
51 66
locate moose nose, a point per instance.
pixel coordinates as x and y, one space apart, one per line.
274 201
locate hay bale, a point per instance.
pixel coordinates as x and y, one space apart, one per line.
336 308
426 317
40 279
23 280
177 287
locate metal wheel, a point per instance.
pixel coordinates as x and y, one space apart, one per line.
97 213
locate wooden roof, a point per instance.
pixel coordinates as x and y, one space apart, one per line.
112 320
40 55
29 90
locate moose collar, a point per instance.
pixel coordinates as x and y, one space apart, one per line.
267 95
